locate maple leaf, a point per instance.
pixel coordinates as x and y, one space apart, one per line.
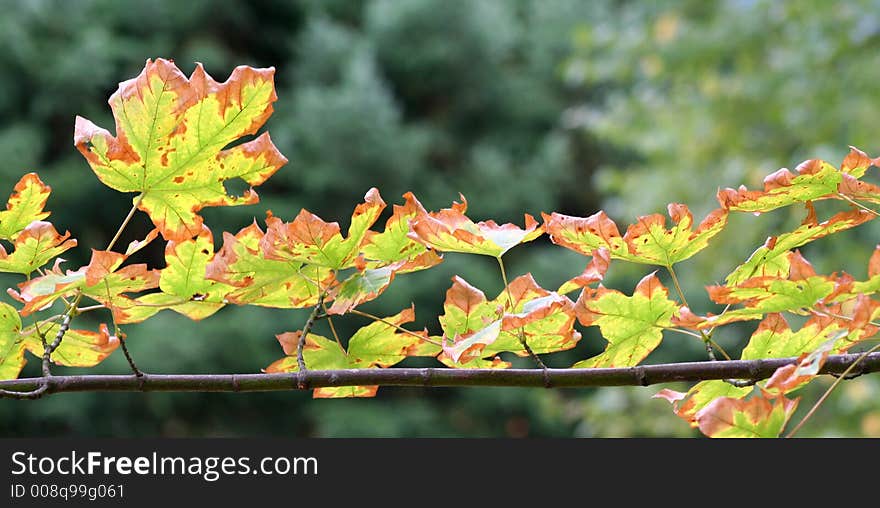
362 286
632 325
648 241
79 348
687 405
774 338
170 138
801 290
35 246
184 288
771 259
791 377
101 280
24 206
475 328
309 239
394 244
11 342
257 280
815 179
450 230
737 418
377 345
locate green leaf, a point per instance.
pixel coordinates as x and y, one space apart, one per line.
771 259
687 405
815 179
394 244
648 241
362 286
11 342
469 323
450 230
24 206
802 290
775 339
101 280
632 325
265 282
376 345
308 239
35 246
78 348
738 418
184 288
171 139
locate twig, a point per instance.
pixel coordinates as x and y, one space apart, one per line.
628 376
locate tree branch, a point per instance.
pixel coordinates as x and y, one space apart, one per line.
632 376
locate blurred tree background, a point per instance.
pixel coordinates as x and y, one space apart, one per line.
521 105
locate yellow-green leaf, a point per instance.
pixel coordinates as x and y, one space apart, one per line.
11 342
35 246
24 206
450 230
184 288
632 325
308 239
265 282
647 241
171 139
771 258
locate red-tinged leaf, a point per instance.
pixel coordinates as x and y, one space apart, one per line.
265 282
24 206
394 244
100 280
647 241
857 162
79 348
815 179
137 245
632 325
308 239
801 291
184 288
382 344
594 272
35 246
450 230
774 338
11 343
171 135
362 286
772 258
470 346
670 396
738 418
791 377
466 309
377 345
687 405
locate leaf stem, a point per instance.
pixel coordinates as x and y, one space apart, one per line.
707 340
125 221
396 327
522 331
853 202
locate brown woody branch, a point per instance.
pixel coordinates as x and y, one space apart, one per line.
632 376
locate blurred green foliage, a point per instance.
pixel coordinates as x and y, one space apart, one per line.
521 105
